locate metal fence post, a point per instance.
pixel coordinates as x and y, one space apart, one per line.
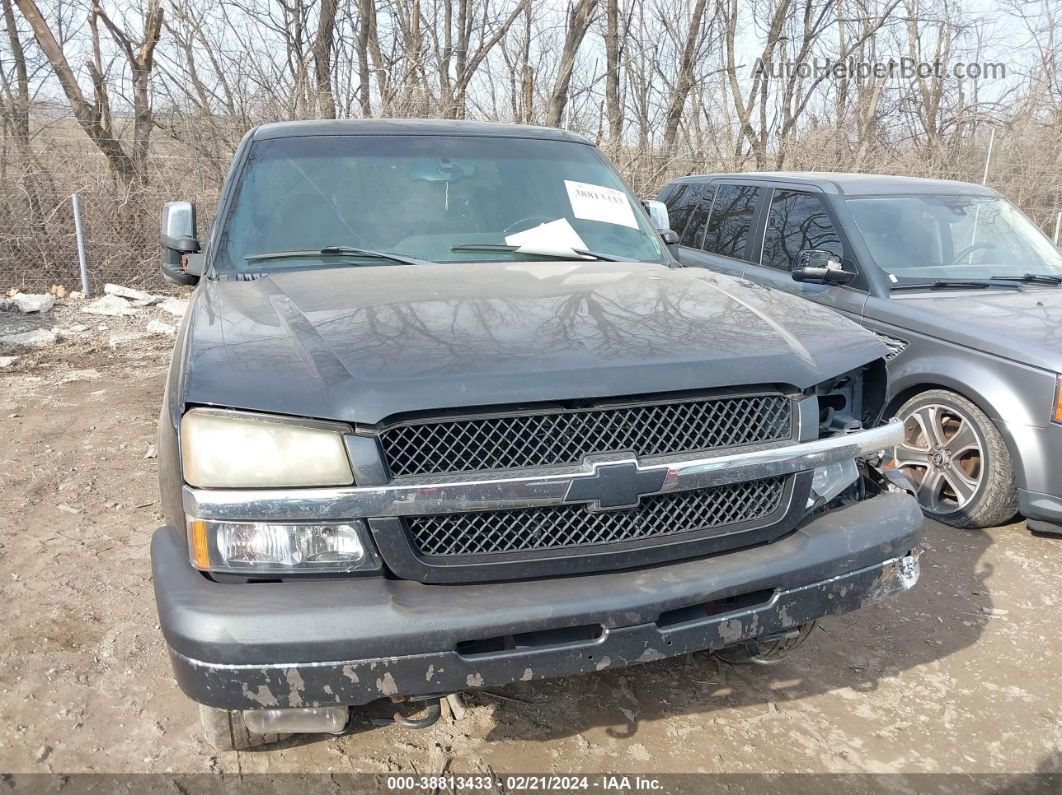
988 158
80 245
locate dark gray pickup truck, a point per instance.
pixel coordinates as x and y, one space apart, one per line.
445 413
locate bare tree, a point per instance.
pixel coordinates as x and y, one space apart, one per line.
15 113
684 81
580 15
322 58
615 39
128 162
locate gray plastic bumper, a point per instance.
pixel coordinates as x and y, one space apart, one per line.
292 644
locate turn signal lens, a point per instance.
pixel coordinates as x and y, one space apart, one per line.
1058 400
200 547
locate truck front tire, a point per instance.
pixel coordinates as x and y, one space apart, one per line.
225 730
769 650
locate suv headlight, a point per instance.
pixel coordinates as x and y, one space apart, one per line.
233 449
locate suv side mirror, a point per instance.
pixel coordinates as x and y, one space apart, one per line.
180 244
657 213
820 267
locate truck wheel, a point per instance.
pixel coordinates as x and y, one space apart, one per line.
768 650
957 460
225 730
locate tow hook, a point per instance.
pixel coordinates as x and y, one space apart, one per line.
432 710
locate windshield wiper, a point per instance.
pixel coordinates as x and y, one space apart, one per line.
949 284
1030 278
338 251
581 252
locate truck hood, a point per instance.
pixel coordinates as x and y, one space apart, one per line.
1023 325
363 344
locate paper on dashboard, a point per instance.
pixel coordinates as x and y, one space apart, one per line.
555 237
598 203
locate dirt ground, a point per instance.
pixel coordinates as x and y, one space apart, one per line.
959 675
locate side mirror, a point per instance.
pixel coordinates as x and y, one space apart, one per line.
820 267
177 234
657 213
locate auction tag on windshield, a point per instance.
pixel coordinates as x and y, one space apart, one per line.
598 203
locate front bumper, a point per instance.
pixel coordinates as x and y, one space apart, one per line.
1039 455
1043 511
299 644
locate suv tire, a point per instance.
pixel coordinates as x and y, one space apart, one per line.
954 445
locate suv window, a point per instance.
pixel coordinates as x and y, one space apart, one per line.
797 221
703 196
680 202
731 219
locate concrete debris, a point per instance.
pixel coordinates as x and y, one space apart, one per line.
39 338
457 706
8 361
110 305
160 327
77 295
175 306
994 611
118 340
67 508
29 303
128 292
81 375
151 452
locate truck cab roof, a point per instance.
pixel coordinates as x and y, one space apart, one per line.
433 127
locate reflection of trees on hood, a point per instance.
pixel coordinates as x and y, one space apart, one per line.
410 327
614 323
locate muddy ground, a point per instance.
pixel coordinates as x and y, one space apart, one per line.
962 674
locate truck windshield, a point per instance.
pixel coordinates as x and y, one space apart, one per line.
927 238
429 198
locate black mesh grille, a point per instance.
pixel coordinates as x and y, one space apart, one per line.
484 532
564 437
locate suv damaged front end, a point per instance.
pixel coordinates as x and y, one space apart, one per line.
325 565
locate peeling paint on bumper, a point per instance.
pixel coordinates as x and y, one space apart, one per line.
352 641
352 682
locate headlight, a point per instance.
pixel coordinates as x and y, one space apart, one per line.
232 449
831 480
269 548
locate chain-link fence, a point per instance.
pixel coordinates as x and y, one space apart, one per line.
120 222
38 244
